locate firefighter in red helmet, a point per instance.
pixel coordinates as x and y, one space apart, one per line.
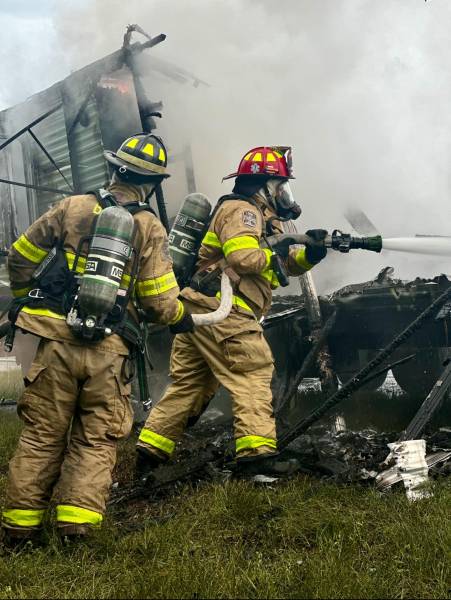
234 353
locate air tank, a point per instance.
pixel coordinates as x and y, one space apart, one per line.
109 251
186 235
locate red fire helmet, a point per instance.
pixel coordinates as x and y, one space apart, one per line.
270 161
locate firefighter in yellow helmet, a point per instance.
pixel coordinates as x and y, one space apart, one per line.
76 406
233 353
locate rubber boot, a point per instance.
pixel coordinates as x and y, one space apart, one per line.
266 464
146 462
15 538
73 533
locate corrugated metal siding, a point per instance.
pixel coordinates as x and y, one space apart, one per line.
52 134
8 230
87 150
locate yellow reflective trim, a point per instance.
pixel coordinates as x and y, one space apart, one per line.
132 143
75 514
278 154
271 277
125 281
31 252
270 157
237 301
154 287
18 293
157 441
81 263
267 274
180 312
162 155
97 209
302 261
247 157
257 156
243 242
268 254
249 442
148 149
211 239
23 517
43 312
139 162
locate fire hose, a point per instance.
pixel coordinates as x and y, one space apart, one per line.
223 311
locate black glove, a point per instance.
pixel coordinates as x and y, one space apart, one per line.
280 243
316 253
185 325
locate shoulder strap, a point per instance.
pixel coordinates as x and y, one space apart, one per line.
106 199
137 207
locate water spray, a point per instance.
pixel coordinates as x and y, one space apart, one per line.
344 242
432 245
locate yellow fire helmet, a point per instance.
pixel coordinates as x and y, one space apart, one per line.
143 154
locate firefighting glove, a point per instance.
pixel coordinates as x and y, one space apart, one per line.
185 325
280 244
316 253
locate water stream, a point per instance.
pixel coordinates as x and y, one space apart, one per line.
436 246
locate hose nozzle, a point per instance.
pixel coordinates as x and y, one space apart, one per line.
344 242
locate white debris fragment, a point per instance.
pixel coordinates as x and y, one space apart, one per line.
410 465
264 479
310 384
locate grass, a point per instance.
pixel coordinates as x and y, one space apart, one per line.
11 384
302 539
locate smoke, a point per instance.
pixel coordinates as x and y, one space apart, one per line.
360 89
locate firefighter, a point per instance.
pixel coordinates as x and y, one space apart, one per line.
76 405
234 353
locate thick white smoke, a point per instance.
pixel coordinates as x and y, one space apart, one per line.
360 89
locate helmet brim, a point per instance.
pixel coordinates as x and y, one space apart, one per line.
255 175
118 162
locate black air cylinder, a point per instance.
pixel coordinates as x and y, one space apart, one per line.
186 235
109 252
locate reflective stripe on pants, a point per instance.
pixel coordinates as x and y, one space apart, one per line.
78 515
157 441
250 442
21 517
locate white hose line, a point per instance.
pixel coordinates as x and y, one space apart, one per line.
224 308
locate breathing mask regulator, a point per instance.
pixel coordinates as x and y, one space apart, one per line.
280 197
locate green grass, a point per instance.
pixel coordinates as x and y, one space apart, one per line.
302 539
11 384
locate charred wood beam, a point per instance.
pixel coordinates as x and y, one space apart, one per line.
430 406
309 360
28 127
387 368
162 208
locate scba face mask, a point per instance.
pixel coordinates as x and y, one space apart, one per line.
281 198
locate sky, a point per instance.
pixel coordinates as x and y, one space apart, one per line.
360 89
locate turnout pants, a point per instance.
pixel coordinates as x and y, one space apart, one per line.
75 408
240 359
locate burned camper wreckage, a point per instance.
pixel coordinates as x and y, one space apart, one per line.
51 146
